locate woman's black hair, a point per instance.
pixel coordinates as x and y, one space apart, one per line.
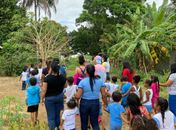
25 68
81 60
105 57
134 103
91 71
126 65
173 68
55 67
163 104
155 79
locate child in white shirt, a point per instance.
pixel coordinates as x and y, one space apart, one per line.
70 91
23 77
147 99
111 87
68 121
164 118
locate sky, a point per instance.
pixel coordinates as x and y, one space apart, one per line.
69 10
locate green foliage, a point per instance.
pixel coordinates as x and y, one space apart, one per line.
12 116
8 12
146 37
101 16
48 37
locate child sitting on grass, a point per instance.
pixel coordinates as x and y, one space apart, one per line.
68 121
147 99
116 111
33 99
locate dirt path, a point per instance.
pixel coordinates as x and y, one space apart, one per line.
10 86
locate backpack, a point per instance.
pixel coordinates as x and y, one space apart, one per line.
83 75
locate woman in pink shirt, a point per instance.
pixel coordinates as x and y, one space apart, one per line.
155 88
80 72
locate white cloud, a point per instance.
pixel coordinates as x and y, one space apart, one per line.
67 12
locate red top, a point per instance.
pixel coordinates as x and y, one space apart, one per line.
126 72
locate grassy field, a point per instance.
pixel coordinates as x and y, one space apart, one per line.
13 110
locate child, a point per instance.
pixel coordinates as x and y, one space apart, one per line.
116 111
23 77
33 99
33 74
147 100
111 87
136 88
125 86
135 107
155 88
68 117
70 91
164 118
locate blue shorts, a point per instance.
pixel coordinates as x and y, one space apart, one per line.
149 108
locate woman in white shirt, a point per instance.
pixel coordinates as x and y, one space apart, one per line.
171 84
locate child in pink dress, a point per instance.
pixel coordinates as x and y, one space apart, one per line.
155 88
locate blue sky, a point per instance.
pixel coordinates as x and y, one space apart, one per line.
69 10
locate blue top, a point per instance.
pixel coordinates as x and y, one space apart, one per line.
62 70
33 95
115 110
87 92
125 89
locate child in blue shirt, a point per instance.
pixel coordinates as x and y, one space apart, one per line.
125 86
116 111
33 99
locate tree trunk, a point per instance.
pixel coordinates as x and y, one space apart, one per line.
35 9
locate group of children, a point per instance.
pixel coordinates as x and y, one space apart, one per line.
126 103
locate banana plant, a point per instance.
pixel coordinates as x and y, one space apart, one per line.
146 36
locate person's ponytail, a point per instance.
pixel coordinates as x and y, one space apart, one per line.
91 71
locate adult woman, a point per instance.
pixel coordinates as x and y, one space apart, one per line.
106 64
80 71
52 92
89 91
171 84
127 71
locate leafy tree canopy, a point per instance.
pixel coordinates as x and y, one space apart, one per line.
101 16
9 11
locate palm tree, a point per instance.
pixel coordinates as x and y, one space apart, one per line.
40 4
